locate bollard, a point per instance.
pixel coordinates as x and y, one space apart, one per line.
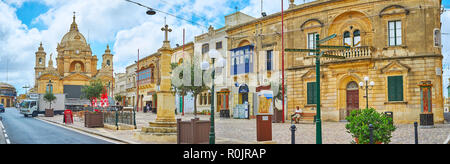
416 135
371 133
293 128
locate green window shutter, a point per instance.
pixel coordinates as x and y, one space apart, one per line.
395 88
311 95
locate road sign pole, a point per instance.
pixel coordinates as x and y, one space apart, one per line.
318 121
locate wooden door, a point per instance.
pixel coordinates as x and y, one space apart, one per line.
352 97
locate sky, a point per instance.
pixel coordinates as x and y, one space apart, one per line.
122 25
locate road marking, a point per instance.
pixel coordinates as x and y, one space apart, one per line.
4 133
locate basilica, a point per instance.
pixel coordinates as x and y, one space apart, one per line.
76 66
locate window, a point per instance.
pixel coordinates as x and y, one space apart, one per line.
235 66
40 60
108 62
219 45
205 48
395 33
247 64
312 41
269 60
347 39
200 96
356 38
395 88
437 38
312 93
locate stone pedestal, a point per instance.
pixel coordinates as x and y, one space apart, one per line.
164 128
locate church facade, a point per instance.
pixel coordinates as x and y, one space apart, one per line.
76 66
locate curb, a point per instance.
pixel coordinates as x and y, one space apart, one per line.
90 132
447 141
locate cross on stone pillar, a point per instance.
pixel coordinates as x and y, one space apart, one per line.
166 30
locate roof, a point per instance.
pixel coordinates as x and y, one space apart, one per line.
5 85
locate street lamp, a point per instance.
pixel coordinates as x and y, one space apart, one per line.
367 86
213 55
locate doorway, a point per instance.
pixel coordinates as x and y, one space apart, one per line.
352 97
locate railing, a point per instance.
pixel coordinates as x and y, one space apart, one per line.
352 53
118 117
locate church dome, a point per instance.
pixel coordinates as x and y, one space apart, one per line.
74 34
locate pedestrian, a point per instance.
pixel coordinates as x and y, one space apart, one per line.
297 115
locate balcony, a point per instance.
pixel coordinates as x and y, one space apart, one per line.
350 54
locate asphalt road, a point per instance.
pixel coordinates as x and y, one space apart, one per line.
21 130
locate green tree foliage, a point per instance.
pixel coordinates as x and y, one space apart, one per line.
183 89
49 97
358 126
93 90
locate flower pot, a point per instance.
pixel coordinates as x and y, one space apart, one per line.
93 119
49 113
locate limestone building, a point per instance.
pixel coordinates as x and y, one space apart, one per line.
396 44
130 85
8 94
76 66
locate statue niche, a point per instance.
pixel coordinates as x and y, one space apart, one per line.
77 66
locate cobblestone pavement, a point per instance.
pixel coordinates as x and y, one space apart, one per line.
243 131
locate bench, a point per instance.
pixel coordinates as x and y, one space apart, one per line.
305 117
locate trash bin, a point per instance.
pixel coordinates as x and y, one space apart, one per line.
264 127
390 115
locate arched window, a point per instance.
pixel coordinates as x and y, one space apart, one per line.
437 38
40 60
347 39
356 38
108 62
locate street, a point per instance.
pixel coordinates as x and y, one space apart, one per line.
21 130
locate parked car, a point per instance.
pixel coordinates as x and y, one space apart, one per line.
2 108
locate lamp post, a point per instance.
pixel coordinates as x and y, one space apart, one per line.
213 55
367 86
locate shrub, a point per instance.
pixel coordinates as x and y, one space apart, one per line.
358 126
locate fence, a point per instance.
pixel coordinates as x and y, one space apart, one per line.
117 117
193 132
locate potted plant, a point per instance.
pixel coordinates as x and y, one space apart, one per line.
49 97
358 126
93 92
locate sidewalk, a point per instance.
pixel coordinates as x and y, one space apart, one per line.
243 131
127 136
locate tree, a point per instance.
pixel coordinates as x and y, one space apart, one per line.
49 97
118 98
93 90
183 90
